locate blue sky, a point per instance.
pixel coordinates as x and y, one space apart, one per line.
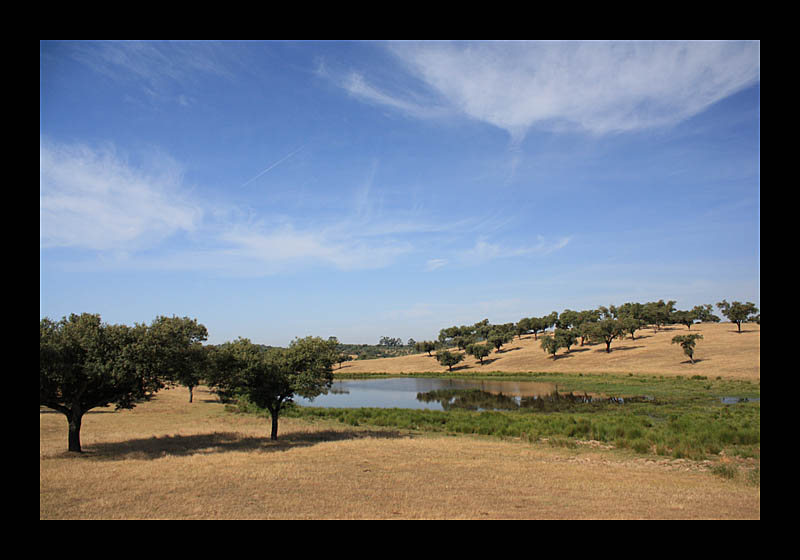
365 189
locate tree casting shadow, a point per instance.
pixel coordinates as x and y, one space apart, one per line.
157 447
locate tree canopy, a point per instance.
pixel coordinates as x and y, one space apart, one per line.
271 377
738 312
85 363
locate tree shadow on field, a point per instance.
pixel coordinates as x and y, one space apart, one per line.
157 447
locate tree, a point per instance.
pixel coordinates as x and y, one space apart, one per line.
343 357
499 337
738 312
684 318
583 320
270 378
463 341
657 313
449 359
687 342
550 345
523 326
630 325
479 351
425 346
183 355
606 330
704 314
567 319
85 364
565 337
390 342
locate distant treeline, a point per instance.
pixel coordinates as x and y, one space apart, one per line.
630 316
623 319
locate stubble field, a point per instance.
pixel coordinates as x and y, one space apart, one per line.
169 459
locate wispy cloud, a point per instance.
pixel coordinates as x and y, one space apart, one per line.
160 69
285 249
484 251
93 198
433 264
598 87
96 198
357 86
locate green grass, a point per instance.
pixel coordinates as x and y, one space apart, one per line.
684 419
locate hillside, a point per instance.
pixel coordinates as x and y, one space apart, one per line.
722 352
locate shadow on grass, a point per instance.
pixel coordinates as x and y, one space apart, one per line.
157 447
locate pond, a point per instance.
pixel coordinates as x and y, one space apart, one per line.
437 393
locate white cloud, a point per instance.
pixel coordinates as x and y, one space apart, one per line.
274 250
484 251
433 264
599 87
94 199
161 69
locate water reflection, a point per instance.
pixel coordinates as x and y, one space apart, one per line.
450 394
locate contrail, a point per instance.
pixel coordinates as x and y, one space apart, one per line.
273 165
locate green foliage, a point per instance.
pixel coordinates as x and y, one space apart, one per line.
704 314
500 336
271 377
565 337
606 330
449 359
550 345
183 358
738 312
390 342
479 351
85 363
687 342
425 346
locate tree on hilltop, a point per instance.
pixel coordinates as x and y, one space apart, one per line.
704 314
738 312
606 330
425 346
565 337
684 318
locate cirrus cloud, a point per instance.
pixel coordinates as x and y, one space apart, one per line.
595 86
93 198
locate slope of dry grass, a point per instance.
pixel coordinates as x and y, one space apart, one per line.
722 352
168 459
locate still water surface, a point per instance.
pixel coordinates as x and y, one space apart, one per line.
434 394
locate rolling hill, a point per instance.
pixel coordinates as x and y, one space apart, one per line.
722 352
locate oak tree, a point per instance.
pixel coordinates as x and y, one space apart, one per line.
85 363
687 342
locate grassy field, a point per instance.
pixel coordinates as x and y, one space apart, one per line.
169 459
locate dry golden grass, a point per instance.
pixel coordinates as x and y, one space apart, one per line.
722 352
168 459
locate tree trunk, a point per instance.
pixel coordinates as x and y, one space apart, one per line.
274 433
74 419
191 393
